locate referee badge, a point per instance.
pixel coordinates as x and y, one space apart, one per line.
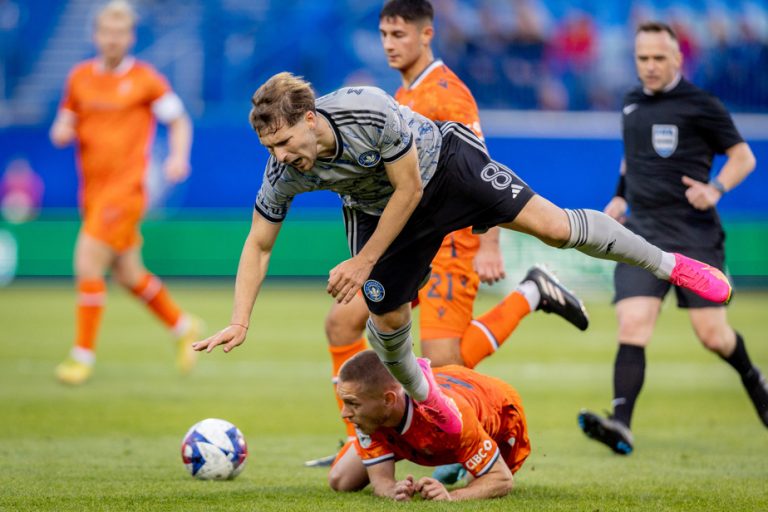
373 290
664 138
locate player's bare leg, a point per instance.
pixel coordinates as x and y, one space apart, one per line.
348 473
91 261
598 235
129 270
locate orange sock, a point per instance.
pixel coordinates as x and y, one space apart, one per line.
91 295
487 333
340 354
154 294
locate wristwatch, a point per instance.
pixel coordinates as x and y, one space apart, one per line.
718 186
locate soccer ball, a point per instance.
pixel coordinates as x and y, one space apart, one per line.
214 449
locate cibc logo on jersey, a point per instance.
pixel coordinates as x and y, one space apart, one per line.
481 456
664 139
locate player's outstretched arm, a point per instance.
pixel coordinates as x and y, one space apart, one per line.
348 276
250 274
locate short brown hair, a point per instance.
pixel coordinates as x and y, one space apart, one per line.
283 99
656 26
366 369
412 11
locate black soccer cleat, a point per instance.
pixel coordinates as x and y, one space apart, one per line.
556 298
608 431
757 388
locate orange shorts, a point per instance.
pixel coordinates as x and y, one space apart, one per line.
447 300
114 220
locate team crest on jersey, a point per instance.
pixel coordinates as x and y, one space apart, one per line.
369 158
664 138
373 290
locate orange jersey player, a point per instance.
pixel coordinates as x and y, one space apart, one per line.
109 110
115 122
492 445
450 334
446 302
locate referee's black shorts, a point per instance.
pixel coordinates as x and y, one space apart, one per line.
468 189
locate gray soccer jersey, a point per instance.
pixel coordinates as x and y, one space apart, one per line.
370 129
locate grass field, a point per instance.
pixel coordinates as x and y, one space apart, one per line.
114 443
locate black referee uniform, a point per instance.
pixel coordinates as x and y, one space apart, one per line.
669 135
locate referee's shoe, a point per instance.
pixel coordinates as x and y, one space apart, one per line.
608 431
556 298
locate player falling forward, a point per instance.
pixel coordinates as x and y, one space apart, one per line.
449 333
406 183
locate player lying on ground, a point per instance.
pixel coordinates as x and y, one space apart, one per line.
492 445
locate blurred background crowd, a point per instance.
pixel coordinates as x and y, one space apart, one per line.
519 54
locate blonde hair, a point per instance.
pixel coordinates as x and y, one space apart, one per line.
117 9
283 99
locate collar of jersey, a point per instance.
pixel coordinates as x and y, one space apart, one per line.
424 73
125 65
336 135
405 423
671 85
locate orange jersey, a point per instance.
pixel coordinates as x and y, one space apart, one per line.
437 93
493 426
114 122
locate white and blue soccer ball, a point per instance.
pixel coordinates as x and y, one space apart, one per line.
214 449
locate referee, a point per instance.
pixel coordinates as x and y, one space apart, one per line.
671 130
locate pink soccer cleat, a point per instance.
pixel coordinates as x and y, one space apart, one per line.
702 279
441 409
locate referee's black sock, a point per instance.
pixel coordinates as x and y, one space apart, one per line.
740 360
628 377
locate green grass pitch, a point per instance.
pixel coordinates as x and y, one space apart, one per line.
114 443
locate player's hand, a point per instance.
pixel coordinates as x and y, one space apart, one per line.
489 264
702 196
176 168
617 209
405 489
229 337
62 134
346 278
431 489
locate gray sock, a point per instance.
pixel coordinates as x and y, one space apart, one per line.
598 235
395 350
